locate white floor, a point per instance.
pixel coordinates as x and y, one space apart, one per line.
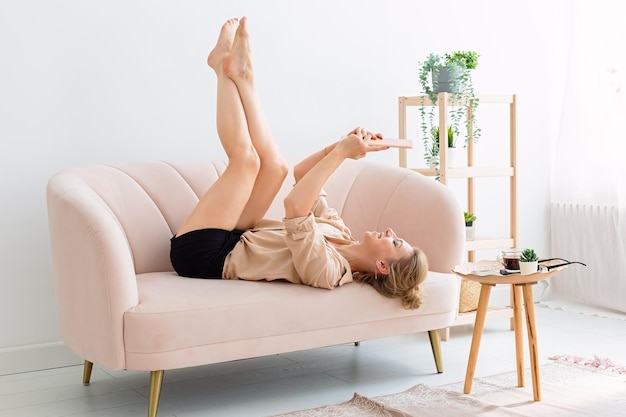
282 383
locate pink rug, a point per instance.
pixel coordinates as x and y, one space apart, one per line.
570 387
597 363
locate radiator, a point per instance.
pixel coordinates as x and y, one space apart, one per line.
594 235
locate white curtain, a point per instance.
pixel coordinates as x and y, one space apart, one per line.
588 210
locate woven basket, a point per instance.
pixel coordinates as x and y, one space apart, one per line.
470 292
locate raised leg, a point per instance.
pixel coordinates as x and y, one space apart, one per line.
88 366
156 381
519 335
273 169
479 323
435 344
222 205
256 170
529 305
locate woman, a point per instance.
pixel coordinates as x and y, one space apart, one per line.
226 237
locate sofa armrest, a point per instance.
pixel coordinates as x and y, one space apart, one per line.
93 269
422 211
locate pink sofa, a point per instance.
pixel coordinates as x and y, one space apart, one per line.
121 306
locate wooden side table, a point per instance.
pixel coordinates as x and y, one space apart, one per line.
487 274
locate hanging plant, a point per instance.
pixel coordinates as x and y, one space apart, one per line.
457 67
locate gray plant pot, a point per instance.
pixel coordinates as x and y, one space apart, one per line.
447 80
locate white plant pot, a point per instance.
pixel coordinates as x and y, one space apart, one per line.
457 157
527 268
470 232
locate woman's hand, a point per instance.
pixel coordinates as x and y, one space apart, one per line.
312 173
357 143
365 134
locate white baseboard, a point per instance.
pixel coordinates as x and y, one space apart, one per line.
29 358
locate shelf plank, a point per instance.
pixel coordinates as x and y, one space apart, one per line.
493 312
482 98
483 243
429 172
470 172
496 98
475 172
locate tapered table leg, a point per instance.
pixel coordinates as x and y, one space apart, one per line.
479 323
519 333
532 340
521 299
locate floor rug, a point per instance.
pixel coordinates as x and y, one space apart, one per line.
570 386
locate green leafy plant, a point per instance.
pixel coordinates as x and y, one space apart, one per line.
470 218
451 137
528 255
463 97
469 59
431 148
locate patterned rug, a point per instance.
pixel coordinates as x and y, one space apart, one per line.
570 387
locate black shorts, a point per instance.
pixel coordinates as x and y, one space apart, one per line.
201 253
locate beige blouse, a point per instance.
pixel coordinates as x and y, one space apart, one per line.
296 250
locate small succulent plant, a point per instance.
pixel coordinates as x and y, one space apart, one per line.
469 218
528 255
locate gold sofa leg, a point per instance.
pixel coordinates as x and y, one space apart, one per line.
435 343
156 380
87 372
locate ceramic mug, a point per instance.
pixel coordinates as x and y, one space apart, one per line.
509 258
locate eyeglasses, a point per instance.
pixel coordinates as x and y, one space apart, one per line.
540 268
564 262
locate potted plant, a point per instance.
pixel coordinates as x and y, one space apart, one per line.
450 73
470 218
528 262
431 148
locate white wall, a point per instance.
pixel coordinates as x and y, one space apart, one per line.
118 80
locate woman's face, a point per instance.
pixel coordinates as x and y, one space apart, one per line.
386 245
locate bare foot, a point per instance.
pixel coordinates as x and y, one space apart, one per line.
238 64
224 43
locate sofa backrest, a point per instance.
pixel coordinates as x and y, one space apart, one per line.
149 200
422 211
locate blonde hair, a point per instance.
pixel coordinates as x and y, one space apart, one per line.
403 281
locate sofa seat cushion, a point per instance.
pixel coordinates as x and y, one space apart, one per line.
176 313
